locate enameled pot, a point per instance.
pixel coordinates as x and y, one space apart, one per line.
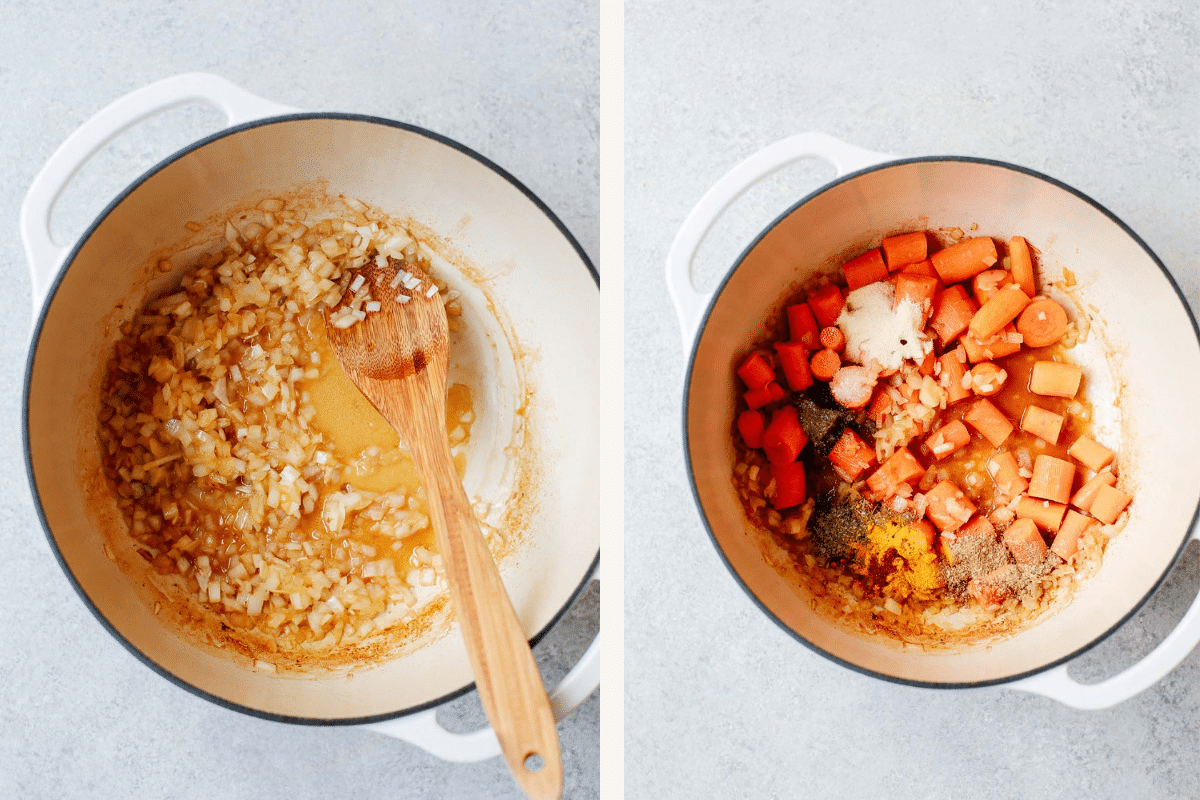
544 291
1142 363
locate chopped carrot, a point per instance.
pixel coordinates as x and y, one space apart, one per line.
880 407
1006 474
900 468
783 438
825 364
918 289
1086 495
994 587
965 260
1052 479
948 507
987 379
757 398
1066 541
775 391
953 377
1005 343
750 425
851 456
927 367
1055 379
953 543
1109 503
1024 541
1042 323
904 248
1046 514
793 360
1045 425
802 325
1091 454
924 269
1022 265
826 304
833 338
755 371
953 309
948 440
1001 309
864 269
853 386
988 282
789 485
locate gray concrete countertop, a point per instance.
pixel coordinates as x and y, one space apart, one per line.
720 702
517 82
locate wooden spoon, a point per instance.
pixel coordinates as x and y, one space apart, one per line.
397 356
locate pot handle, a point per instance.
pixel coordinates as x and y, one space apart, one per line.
1058 685
45 256
690 303
424 730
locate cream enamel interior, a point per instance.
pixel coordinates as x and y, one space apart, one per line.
1147 402
540 284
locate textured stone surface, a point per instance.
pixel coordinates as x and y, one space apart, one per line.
80 717
719 701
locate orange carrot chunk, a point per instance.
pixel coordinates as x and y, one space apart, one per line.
965 260
864 269
1109 503
948 507
1046 514
851 456
755 371
802 325
1006 474
881 406
757 398
924 269
928 364
987 379
948 440
1004 343
750 425
833 338
793 360
783 438
1022 265
994 587
1045 425
1091 454
984 417
952 543
1052 479
988 282
953 377
900 468
904 249
1003 307
1066 541
852 386
917 289
826 304
953 309
1086 495
1042 323
825 364
1055 379
789 485
1025 542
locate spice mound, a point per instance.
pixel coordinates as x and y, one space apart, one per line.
916 436
256 482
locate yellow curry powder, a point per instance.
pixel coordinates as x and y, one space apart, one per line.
898 556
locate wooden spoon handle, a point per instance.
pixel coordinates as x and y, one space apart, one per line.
505 673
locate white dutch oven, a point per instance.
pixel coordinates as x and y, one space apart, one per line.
1145 320
540 280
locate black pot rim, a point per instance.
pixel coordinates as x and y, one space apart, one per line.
37 330
687 449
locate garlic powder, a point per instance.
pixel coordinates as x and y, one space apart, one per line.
877 334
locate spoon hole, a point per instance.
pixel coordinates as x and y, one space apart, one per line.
534 762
